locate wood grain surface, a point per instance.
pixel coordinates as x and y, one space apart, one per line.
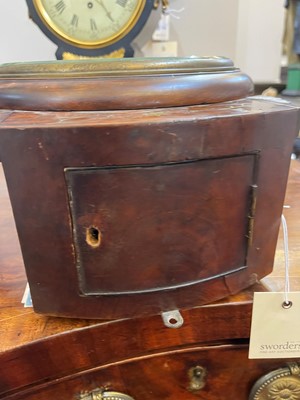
118 84
275 281
47 356
159 161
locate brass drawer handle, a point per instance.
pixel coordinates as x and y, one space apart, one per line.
99 394
281 384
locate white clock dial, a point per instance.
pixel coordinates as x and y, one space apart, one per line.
90 22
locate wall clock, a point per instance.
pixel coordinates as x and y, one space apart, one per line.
91 28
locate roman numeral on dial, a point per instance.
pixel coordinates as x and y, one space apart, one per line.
74 20
122 3
60 6
93 25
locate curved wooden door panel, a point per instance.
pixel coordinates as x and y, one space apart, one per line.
150 228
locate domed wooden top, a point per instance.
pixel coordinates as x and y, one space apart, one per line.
116 84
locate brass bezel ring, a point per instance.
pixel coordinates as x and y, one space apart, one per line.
55 30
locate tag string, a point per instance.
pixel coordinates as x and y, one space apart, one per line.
287 303
173 12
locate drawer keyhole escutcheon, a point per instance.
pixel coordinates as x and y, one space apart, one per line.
197 377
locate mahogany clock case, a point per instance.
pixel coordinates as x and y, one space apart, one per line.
165 204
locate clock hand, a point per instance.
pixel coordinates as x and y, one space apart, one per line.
105 9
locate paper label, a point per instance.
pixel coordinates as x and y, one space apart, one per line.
26 299
162 32
275 330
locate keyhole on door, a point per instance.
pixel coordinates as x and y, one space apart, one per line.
93 236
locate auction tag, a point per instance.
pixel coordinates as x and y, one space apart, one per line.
26 299
162 32
275 327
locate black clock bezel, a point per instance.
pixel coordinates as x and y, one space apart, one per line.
64 46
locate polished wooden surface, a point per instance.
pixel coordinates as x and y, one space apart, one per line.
229 374
112 84
46 357
19 325
276 280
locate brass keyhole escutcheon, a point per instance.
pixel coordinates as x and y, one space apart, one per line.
197 377
93 236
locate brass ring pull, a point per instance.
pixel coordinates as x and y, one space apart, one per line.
283 383
99 394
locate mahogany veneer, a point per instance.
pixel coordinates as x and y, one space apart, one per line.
47 357
137 212
149 200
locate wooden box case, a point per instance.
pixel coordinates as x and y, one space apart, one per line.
130 195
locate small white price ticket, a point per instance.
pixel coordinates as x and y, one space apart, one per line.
275 328
162 32
26 299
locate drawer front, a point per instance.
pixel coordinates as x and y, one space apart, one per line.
211 373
